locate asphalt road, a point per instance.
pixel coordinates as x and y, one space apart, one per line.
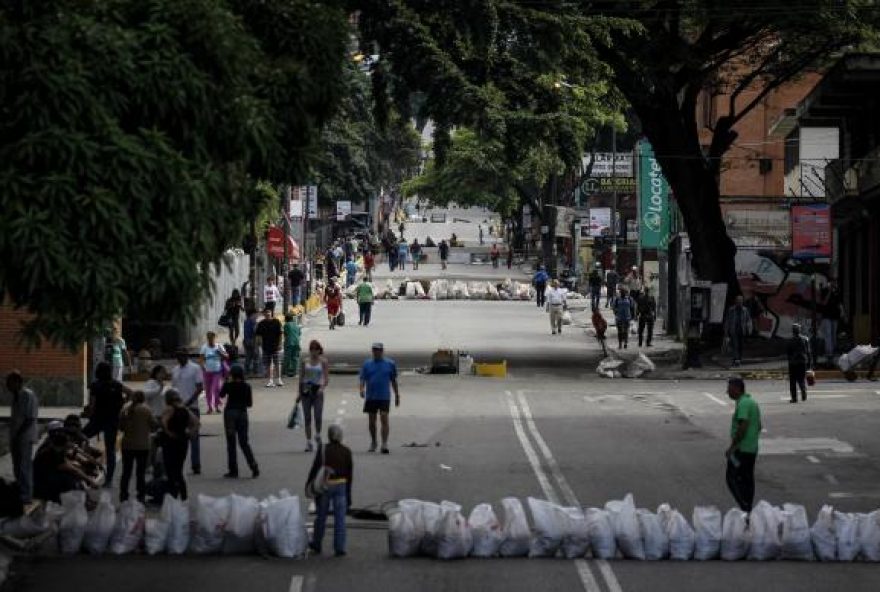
561 435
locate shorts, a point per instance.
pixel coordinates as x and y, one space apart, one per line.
377 405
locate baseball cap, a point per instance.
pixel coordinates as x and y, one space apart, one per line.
378 345
55 425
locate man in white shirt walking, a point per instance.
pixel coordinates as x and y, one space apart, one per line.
556 305
271 294
22 434
186 379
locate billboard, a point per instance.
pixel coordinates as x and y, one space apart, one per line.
600 221
608 164
653 200
811 231
343 210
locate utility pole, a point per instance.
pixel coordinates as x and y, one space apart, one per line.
614 229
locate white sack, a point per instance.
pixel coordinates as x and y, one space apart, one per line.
846 531
735 539
209 521
601 532
430 521
285 530
99 528
708 531
129 530
626 527
869 536
549 528
179 526
681 535
454 540
238 535
486 531
576 537
823 536
796 542
72 527
765 522
403 539
515 529
654 538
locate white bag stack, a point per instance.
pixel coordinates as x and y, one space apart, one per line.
486 531
549 528
707 526
285 531
654 538
179 526
430 521
99 528
156 529
209 516
515 529
869 536
846 531
765 523
129 530
403 536
681 535
238 535
454 539
796 542
823 536
72 527
626 527
576 534
735 539
601 532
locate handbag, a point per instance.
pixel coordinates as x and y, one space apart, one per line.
317 486
340 319
811 377
225 320
293 418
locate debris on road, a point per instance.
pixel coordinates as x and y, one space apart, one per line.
617 367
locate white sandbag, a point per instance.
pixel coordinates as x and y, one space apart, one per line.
735 537
485 530
129 530
602 542
99 528
869 536
238 535
846 531
626 527
515 529
285 529
209 516
765 522
72 526
854 356
681 535
640 365
708 531
492 292
178 527
549 522
430 521
403 537
796 542
576 533
26 526
654 537
823 536
410 290
420 290
454 539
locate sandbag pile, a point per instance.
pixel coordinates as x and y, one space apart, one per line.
621 530
479 290
615 367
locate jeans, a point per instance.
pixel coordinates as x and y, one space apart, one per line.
234 331
251 357
296 294
540 288
609 294
313 403
174 457
235 422
643 322
736 347
337 495
109 430
138 460
195 446
366 309
797 377
595 297
118 373
23 467
415 260
741 479
622 334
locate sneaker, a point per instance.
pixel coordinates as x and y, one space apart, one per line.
230 476
309 447
255 472
197 470
270 384
280 383
315 548
373 447
385 450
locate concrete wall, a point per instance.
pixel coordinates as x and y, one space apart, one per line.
228 278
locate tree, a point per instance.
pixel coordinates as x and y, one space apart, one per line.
132 134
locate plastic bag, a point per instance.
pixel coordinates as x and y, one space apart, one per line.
25 526
209 522
515 529
735 538
129 530
454 540
576 537
285 530
179 526
566 318
601 533
846 531
869 536
99 528
549 525
764 525
654 538
626 527
679 532
485 530
796 543
72 527
707 529
156 529
430 514
238 535
823 537
403 538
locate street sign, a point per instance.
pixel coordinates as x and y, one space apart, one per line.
296 209
343 210
312 192
609 164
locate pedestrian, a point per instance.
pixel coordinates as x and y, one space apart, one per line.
799 359
738 326
600 325
633 283
251 350
415 250
330 269
296 278
186 380
402 253
154 390
594 281
480 229
106 398
364 295
831 315
269 332
351 270
232 312
22 434
392 256
556 304
369 264
443 249
271 294
315 376
292 333
136 422
540 280
179 427
745 429
336 460
611 279
212 359
118 357
378 377
624 309
401 228
646 309
239 398
333 302
509 257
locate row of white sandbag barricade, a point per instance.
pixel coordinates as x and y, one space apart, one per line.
619 529
449 290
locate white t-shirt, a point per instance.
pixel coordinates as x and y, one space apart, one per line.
213 358
185 379
154 393
271 293
556 296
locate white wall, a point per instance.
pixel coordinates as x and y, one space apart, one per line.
817 147
228 278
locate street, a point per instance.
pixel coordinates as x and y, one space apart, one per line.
567 436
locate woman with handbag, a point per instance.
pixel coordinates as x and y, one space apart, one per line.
232 313
333 300
314 378
329 482
212 358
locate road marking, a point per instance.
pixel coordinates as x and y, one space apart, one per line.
610 578
296 584
529 450
804 445
345 401
822 397
586 576
340 411
813 459
716 399
831 479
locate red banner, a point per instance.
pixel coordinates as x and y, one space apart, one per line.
275 245
811 231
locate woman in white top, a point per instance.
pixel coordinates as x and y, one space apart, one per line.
154 390
211 357
314 376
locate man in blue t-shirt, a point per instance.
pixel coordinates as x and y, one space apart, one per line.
378 377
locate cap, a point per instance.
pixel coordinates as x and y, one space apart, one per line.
636 267
55 425
378 345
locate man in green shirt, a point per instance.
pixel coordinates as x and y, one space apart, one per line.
745 429
364 295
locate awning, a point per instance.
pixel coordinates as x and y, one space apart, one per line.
275 245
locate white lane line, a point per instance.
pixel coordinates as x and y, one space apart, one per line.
813 459
823 397
721 402
296 584
586 576
831 479
344 401
543 481
608 574
340 411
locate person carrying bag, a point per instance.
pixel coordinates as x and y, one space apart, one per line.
329 482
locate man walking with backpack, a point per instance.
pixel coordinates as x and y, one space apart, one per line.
799 359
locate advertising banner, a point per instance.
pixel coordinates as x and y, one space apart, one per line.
600 221
609 164
312 192
811 231
343 210
653 200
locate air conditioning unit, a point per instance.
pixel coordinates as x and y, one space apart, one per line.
765 165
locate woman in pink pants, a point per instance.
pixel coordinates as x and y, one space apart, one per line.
212 357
